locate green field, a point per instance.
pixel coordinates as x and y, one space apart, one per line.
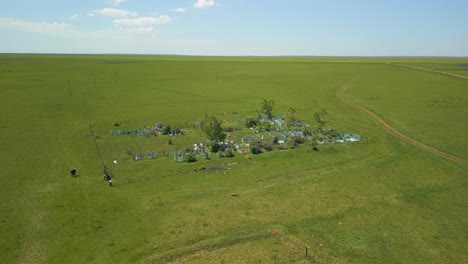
381 200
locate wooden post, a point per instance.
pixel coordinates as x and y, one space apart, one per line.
307 251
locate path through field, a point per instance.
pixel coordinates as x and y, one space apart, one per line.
399 134
429 70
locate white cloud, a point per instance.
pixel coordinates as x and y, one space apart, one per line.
113 12
44 28
118 2
180 9
67 38
73 17
142 21
204 3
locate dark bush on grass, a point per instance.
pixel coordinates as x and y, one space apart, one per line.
299 140
251 121
268 147
215 147
190 157
256 147
167 129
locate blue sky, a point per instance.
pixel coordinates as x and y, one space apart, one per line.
236 27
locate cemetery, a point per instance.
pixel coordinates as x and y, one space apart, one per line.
237 136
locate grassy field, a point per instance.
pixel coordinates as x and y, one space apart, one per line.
378 201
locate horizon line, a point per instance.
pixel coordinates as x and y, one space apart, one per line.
235 56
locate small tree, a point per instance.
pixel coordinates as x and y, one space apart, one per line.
213 129
267 108
291 111
320 118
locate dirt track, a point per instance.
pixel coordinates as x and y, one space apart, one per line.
399 134
429 70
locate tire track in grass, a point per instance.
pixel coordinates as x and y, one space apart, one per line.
430 70
397 133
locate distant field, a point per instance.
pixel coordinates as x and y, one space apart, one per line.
381 200
455 67
432 108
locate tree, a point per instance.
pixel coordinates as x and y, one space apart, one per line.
292 111
267 108
292 120
212 128
320 118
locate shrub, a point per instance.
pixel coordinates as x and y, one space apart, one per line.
167 129
212 128
256 147
300 140
251 121
274 141
229 153
268 147
190 157
307 133
295 141
266 125
215 147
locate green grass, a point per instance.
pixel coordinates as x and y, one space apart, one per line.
431 108
379 201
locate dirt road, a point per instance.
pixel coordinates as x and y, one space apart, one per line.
397 133
429 70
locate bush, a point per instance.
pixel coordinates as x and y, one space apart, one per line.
300 140
295 141
229 153
190 157
251 121
167 129
274 141
256 147
266 126
307 133
215 147
268 147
